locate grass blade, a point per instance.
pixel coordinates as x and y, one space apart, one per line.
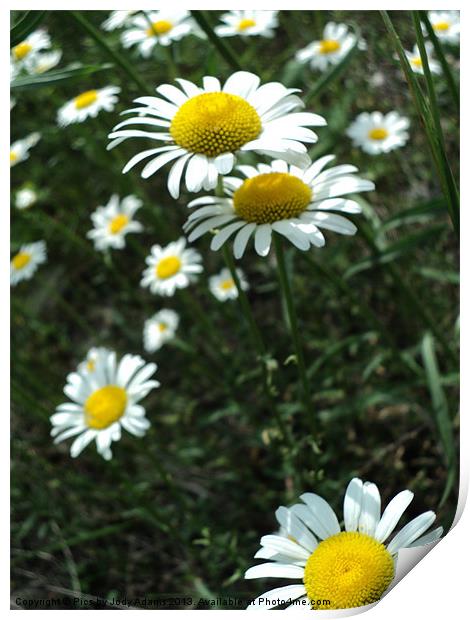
29 22
51 77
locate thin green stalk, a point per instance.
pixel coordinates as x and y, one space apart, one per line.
294 328
116 56
221 46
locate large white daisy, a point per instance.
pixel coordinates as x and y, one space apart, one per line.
247 23
205 128
114 221
88 103
414 58
223 287
117 19
19 150
337 41
171 267
159 329
103 402
446 25
287 200
25 263
34 43
376 133
350 567
157 28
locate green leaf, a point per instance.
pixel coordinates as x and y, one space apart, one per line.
418 214
451 277
51 77
29 22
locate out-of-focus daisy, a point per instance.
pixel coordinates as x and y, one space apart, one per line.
113 221
40 63
117 19
223 287
157 28
159 329
414 58
378 133
205 128
88 365
174 266
446 25
103 402
287 200
25 263
25 198
337 41
88 103
19 150
349 568
35 42
247 23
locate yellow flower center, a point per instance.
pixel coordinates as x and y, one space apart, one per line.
118 223
270 197
105 406
226 285
442 26
417 62
246 23
13 157
168 267
90 365
159 27
328 46
215 123
379 133
21 260
348 570
22 50
162 327
86 99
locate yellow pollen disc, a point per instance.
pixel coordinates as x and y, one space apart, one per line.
13 157
379 133
270 197
105 406
159 27
215 123
22 50
349 570
162 327
246 23
86 99
168 267
21 260
328 46
226 285
90 365
417 62
442 26
118 223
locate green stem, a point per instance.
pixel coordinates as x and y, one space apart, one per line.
224 50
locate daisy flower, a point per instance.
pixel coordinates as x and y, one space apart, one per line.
350 567
205 128
414 58
35 42
337 41
19 150
223 287
103 402
247 23
25 263
378 133
87 104
113 221
159 329
157 28
446 25
88 365
25 198
117 19
40 63
171 267
285 199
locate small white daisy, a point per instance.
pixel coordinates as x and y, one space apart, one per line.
287 200
414 58
159 329
157 28
247 23
88 365
88 103
19 150
205 128
376 133
223 287
337 41
42 62
117 19
34 43
25 263
25 198
349 568
104 401
171 267
113 221
446 25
